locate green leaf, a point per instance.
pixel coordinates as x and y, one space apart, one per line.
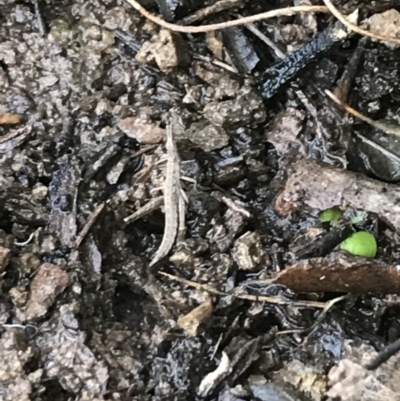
361 243
331 215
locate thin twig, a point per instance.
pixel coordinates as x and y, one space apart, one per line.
387 128
355 28
23 132
39 18
22 327
248 297
149 207
217 7
327 308
144 150
379 148
252 28
236 208
214 27
91 220
216 62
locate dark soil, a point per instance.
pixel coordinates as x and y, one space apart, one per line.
88 86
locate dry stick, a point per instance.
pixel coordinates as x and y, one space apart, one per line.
218 63
387 128
149 207
214 27
144 150
248 297
217 7
39 18
320 318
252 28
91 220
374 145
383 356
355 28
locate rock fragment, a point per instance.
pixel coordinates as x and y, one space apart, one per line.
285 129
15 354
49 281
194 320
166 49
142 129
244 109
206 136
65 357
385 24
248 251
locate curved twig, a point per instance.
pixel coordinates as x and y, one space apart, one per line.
241 21
355 28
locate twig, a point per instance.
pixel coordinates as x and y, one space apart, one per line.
22 327
274 77
248 297
14 134
144 150
91 220
385 127
149 207
355 28
279 53
383 356
236 208
39 18
216 62
217 7
343 86
214 27
327 308
374 145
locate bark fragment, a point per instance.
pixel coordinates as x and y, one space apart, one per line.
320 186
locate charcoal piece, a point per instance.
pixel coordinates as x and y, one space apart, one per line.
325 243
62 192
240 49
148 3
128 40
278 75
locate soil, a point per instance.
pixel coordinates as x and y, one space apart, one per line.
86 88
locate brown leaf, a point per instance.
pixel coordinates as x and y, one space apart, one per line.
340 272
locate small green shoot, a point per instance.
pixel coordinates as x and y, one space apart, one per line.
361 243
331 215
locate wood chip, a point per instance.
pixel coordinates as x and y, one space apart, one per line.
194 320
9 119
